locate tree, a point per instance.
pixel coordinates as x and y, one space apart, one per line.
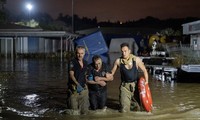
2 16
171 32
2 13
2 2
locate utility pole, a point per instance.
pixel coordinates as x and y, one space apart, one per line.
72 16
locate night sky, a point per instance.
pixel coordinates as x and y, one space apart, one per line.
113 10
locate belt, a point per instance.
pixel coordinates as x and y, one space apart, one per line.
128 85
125 83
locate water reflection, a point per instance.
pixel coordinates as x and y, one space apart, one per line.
1 98
31 100
34 88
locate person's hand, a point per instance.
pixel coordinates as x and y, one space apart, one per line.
102 83
97 78
146 82
79 88
109 76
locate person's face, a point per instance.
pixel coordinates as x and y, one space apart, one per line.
98 64
125 52
80 54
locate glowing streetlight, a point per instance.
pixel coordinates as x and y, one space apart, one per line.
29 6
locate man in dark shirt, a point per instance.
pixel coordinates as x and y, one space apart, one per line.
97 76
78 92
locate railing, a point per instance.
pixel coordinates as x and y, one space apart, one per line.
187 51
172 48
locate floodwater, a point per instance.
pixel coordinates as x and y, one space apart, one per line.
36 89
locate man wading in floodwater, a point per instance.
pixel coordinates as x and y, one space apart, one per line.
97 77
77 89
128 64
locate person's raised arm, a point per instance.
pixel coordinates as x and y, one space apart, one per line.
115 66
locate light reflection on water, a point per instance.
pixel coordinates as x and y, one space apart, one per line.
37 89
31 100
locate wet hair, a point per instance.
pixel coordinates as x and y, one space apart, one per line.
80 47
96 57
124 44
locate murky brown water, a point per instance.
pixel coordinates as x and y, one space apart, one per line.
36 89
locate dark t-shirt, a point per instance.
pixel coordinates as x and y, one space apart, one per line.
79 72
101 73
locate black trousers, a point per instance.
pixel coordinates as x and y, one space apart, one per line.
97 99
